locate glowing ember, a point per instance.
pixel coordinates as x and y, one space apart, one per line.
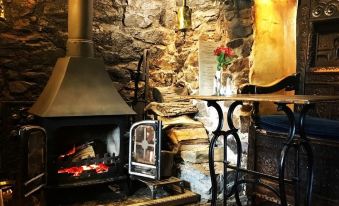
77 171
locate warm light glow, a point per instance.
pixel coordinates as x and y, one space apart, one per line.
274 50
2 10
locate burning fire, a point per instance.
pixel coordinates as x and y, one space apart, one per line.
77 171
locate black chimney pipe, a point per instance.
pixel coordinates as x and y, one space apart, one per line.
80 35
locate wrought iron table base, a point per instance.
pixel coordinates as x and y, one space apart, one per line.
298 142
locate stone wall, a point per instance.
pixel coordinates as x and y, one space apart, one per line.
34 35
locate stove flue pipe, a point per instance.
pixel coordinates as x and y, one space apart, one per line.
80 18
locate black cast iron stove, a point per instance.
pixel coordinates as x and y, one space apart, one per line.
85 118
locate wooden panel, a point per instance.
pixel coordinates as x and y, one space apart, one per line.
326 173
324 84
336 107
316 36
322 77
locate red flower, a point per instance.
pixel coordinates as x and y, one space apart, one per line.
225 56
226 50
217 52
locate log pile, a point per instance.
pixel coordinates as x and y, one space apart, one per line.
170 109
168 94
176 116
182 135
187 138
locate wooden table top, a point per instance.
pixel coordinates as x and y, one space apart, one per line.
277 98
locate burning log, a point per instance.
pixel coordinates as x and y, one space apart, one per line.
81 152
85 153
84 158
77 171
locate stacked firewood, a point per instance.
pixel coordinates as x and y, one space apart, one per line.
181 130
186 137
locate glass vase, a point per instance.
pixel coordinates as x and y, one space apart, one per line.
217 83
222 84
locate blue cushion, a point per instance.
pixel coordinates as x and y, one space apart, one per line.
314 127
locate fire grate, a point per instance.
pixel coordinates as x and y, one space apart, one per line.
84 154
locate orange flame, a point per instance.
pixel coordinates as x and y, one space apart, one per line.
77 171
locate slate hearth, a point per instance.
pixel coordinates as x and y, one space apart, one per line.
111 196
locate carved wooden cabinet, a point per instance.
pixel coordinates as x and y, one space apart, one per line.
318 51
324 83
326 174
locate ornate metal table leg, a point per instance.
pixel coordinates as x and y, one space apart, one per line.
309 153
234 133
285 150
297 143
296 178
216 134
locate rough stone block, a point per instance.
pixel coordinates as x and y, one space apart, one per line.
198 177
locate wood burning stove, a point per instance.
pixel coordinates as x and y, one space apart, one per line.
84 116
